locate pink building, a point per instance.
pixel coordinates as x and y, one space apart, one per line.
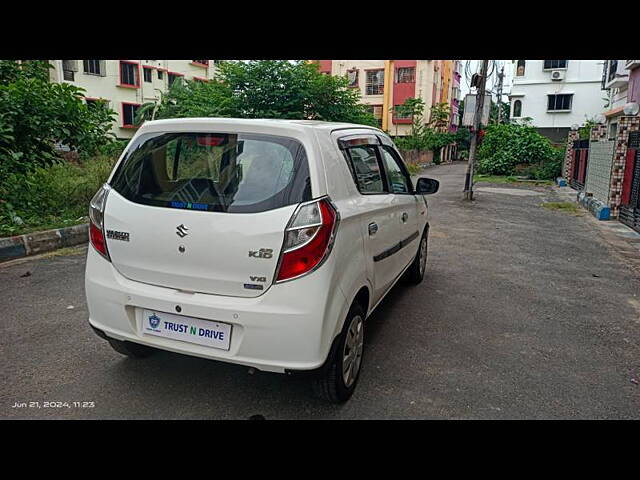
455 96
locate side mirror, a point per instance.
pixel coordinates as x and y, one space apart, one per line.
427 186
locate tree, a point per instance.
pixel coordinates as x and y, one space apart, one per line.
35 114
267 89
506 112
414 109
440 115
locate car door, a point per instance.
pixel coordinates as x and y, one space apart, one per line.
378 210
401 189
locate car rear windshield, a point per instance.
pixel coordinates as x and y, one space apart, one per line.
221 172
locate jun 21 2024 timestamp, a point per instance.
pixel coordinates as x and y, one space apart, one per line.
81 404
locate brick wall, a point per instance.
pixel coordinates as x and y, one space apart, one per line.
625 126
568 155
599 132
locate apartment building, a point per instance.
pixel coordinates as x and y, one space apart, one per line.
431 80
455 96
127 84
556 94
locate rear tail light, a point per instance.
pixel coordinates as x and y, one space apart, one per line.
96 221
308 239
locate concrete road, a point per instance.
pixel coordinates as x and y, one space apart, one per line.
525 313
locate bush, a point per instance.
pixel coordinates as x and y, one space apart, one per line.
505 146
52 196
35 114
551 168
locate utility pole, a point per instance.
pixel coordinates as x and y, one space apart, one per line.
500 78
481 86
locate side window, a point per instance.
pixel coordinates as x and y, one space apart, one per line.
366 170
398 181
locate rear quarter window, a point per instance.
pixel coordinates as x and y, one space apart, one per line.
223 172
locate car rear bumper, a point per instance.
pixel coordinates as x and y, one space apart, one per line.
289 327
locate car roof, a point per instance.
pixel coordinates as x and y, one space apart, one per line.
255 122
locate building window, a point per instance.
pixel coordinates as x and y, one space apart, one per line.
613 131
93 67
201 63
520 68
613 69
352 77
375 82
147 74
517 108
69 67
160 76
376 111
129 114
559 103
554 64
406 75
172 77
129 74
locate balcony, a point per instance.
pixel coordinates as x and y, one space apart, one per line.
631 64
614 75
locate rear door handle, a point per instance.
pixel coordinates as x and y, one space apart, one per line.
405 216
373 228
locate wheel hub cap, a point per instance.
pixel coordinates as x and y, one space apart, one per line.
352 352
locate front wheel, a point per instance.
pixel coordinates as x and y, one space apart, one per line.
337 380
415 273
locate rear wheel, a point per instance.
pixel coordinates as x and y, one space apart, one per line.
337 380
415 273
133 350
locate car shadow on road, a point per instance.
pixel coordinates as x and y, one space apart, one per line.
188 387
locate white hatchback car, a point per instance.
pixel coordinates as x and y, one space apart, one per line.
265 243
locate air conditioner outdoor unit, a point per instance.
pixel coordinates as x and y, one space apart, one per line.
557 75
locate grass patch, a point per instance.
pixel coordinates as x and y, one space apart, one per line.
414 168
510 179
51 197
567 207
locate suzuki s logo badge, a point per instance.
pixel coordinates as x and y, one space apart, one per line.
181 230
262 253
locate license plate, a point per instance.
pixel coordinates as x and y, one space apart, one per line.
187 329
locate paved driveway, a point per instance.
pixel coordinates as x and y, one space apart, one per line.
525 313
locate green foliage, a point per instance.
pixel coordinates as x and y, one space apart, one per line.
440 115
429 136
550 168
35 114
414 169
48 197
584 132
506 145
267 89
504 117
413 108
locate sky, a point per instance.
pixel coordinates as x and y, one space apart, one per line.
470 67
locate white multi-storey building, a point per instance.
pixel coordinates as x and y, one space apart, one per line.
556 94
127 84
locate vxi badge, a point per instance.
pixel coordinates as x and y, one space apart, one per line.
181 230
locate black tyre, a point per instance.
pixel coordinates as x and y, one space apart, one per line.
337 380
415 273
133 350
